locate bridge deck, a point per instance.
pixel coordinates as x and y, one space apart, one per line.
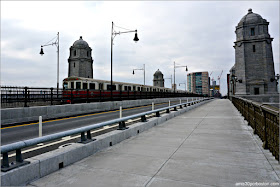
208 146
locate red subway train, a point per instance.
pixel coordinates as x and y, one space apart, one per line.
80 89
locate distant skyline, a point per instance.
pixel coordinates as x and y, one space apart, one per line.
199 34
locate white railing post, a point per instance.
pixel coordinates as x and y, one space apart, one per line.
153 106
40 126
120 111
169 103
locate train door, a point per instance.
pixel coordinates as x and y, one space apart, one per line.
85 85
101 86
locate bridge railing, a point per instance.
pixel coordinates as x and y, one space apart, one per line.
29 96
33 96
84 131
264 120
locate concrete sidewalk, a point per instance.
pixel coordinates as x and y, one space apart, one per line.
210 145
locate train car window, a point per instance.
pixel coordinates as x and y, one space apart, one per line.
78 85
129 88
134 88
65 85
85 86
72 85
125 88
92 86
139 89
109 87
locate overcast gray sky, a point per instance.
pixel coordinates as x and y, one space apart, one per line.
197 34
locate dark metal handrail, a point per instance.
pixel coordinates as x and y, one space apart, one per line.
30 142
263 119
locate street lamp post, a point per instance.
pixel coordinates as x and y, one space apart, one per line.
56 43
174 72
113 35
143 69
233 81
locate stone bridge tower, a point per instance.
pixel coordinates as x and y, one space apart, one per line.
80 60
158 79
254 66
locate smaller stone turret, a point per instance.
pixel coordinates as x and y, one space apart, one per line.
158 79
80 60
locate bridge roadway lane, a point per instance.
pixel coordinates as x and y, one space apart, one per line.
30 130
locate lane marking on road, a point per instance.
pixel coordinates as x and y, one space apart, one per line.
47 121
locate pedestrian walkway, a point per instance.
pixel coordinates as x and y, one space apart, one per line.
210 145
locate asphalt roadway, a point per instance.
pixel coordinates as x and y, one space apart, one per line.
19 132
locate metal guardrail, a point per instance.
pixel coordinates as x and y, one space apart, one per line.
264 120
17 146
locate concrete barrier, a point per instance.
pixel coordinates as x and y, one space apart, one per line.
52 161
26 114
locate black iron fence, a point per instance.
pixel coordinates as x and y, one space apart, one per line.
26 96
264 120
30 96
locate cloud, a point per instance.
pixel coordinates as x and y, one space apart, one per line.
197 34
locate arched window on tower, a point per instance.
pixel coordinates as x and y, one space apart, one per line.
252 31
74 64
75 53
87 54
